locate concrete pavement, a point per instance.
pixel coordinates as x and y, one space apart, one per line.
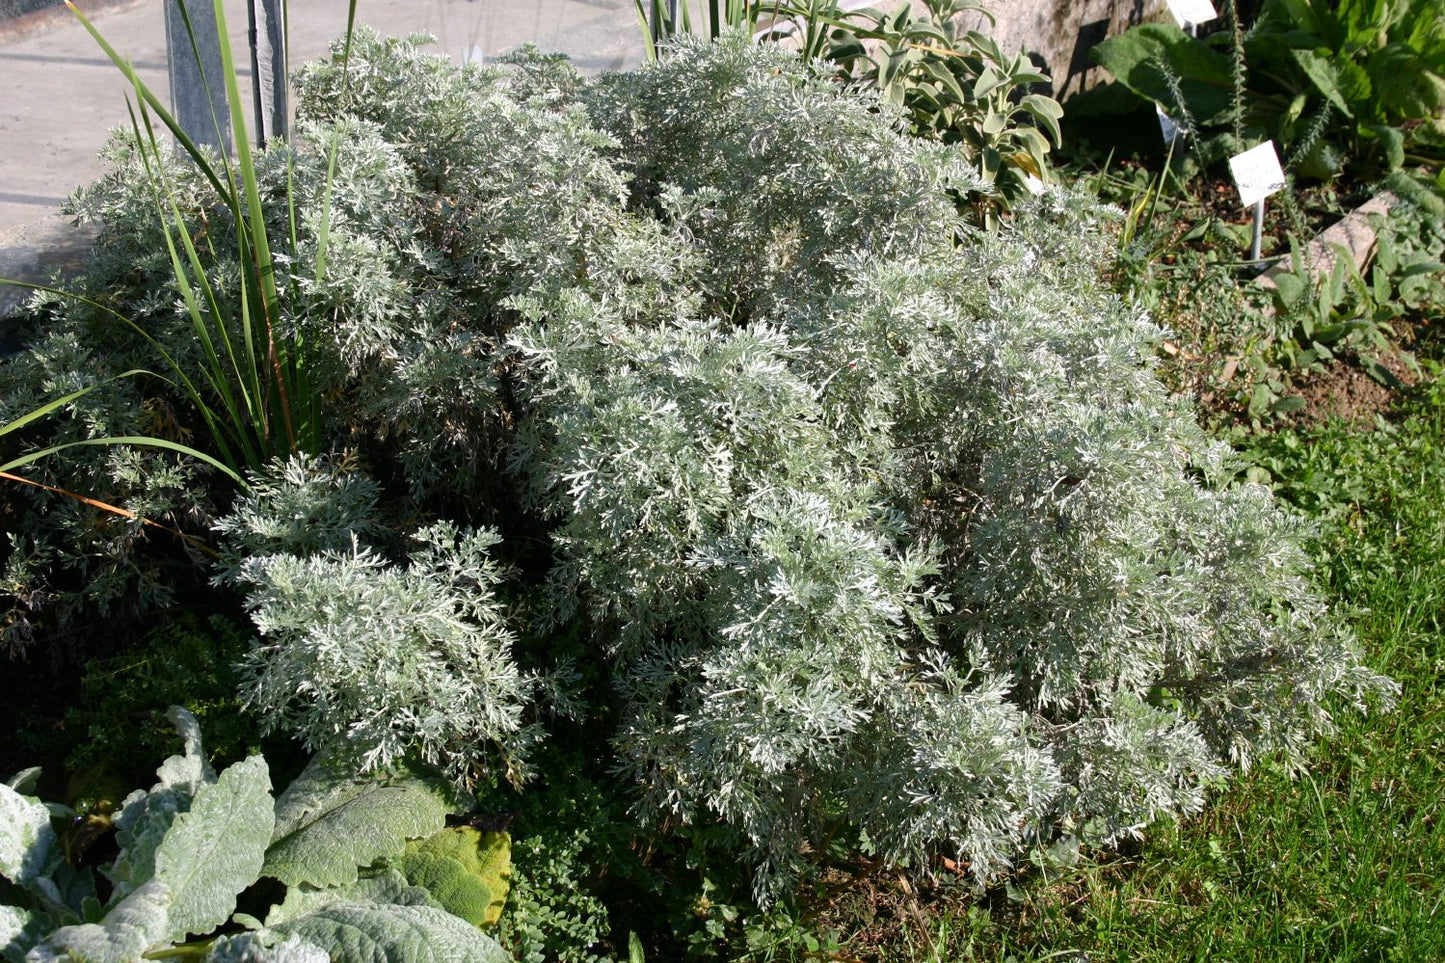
60 95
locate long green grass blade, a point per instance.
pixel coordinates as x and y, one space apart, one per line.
61 402
259 246
649 36
350 31
185 382
213 370
136 440
44 410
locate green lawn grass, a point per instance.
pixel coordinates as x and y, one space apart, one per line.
1343 862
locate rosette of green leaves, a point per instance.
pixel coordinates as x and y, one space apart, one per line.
197 839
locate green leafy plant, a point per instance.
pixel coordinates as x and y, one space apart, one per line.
197 840
188 661
1351 82
955 85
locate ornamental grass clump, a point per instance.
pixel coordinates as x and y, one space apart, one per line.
878 529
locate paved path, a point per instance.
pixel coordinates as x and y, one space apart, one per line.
59 95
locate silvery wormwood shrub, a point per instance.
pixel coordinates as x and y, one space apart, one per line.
894 526
877 527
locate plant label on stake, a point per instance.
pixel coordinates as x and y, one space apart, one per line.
1191 13
1257 174
1169 128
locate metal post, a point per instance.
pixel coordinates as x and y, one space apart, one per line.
268 67
1254 252
198 86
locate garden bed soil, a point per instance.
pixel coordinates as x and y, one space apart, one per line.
1345 392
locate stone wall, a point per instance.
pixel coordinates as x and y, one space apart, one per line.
1058 33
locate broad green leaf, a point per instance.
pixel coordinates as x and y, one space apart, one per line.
1406 89
1360 22
1205 76
467 871
1035 144
389 887
133 926
1392 139
26 837
1322 72
1046 111
217 848
328 824
1290 287
375 931
1424 29
989 79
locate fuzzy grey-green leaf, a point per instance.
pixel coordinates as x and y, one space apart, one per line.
389 887
20 929
417 934
256 948
217 848
132 927
25 835
328 824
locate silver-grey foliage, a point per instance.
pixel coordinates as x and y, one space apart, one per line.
362 657
895 523
872 520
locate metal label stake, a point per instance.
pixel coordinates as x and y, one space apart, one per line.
1257 175
1258 239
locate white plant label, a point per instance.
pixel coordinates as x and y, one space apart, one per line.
1192 11
1257 173
474 55
1034 185
1169 128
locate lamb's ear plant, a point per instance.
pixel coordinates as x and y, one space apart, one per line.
198 840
